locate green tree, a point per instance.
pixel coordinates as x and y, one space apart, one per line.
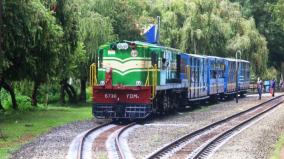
1 41
278 12
268 15
219 28
67 14
124 16
276 35
47 36
15 46
31 44
172 14
94 30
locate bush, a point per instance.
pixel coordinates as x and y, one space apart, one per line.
49 93
89 94
271 73
24 102
5 99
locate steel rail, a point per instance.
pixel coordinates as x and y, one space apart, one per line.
81 145
117 140
208 148
160 152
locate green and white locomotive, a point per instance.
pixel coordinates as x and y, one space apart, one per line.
131 79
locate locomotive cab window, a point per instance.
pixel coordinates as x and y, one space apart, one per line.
154 58
165 64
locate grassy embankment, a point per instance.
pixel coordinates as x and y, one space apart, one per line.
278 147
19 128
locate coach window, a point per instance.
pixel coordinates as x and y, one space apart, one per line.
223 67
214 74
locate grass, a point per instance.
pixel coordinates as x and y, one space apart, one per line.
19 128
278 147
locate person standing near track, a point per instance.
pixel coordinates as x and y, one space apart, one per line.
259 87
281 84
273 87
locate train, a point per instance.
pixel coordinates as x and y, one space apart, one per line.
134 79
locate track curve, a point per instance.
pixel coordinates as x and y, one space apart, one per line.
95 140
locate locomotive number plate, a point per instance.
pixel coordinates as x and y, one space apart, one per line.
110 96
132 96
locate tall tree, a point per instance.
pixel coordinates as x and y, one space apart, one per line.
47 36
31 46
124 16
1 52
219 28
94 30
267 15
16 45
172 14
67 14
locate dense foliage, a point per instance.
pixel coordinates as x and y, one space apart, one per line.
268 16
45 43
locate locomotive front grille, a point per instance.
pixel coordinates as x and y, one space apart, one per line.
128 111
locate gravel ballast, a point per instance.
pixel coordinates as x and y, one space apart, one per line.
54 144
256 141
162 131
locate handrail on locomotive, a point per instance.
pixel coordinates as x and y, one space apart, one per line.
93 75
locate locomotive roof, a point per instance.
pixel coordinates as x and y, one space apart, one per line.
229 59
240 60
215 57
195 55
152 45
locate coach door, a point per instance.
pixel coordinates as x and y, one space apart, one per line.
164 71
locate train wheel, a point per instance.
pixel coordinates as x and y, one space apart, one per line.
242 95
155 105
214 98
166 103
174 102
159 103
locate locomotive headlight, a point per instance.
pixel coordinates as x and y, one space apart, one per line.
134 53
102 83
107 69
138 83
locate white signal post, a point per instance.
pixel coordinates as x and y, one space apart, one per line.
158 30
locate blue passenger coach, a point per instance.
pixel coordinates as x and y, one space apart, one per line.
216 75
198 86
211 76
194 71
230 76
243 76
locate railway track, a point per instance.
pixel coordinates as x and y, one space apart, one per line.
203 142
94 142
